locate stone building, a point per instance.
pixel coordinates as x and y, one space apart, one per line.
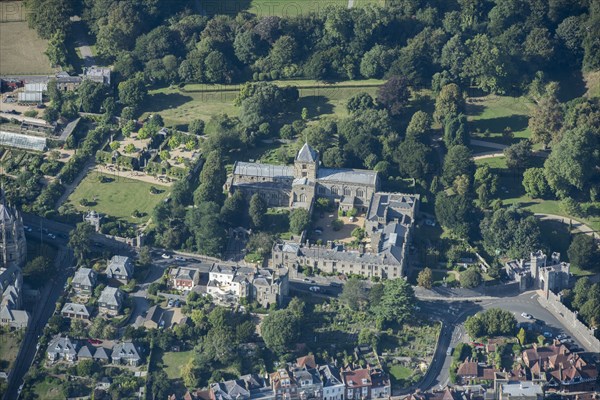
539 272
297 186
13 247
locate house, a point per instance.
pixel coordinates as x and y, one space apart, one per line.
84 281
284 385
520 391
153 317
111 301
469 371
358 383
308 380
97 74
75 311
183 278
333 387
101 355
380 384
120 268
126 353
62 348
85 352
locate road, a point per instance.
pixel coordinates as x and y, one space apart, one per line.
42 313
453 331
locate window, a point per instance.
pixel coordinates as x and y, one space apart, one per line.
347 192
360 193
303 166
334 190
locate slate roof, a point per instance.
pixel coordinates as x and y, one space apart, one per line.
62 345
125 350
184 273
84 277
111 296
352 176
330 375
100 353
263 170
75 308
399 203
120 265
307 154
85 352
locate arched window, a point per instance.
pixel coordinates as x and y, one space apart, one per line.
334 190
360 193
347 192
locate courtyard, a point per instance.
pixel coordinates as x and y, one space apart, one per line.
323 227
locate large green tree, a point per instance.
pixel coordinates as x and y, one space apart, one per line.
397 302
584 252
212 179
257 210
456 163
354 294
80 241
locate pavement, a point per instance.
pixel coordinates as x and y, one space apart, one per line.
577 225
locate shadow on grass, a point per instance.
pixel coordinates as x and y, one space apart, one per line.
316 105
162 101
475 109
514 122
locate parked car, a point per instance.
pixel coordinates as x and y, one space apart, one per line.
179 258
547 334
562 336
526 316
170 303
94 341
449 351
52 236
165 256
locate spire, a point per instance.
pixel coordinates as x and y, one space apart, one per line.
307 154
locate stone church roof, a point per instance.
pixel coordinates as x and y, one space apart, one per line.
307 154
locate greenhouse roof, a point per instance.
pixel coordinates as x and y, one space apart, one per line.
20 141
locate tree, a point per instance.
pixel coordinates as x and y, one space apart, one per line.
471 278
584 253
424 278
360 102
207 228
456 163
455 131
37 271
449 103
453 213
522 336
419 126
91 95
280 330
534 182
48 17
299 220
413 158
394 94
133 92
492 322
189 374
397 302
512 232
518 155
233 208
485 65
80 241
260 243
354 294
569 168
257 210
546 119
487 184
196 127
212 179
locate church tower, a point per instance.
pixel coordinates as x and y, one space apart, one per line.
306 163
306 166
13 247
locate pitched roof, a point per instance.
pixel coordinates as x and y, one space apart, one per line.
352 176
307 154
84 352
111 296
120 265
85 277
100 353
263 170
75 308
308 361
125 350
62 345
358 377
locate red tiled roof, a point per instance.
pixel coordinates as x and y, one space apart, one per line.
357 378
308 361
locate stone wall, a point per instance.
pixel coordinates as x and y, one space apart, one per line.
569 319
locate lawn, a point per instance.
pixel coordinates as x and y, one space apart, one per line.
399 372
180 107
47 390
495 113
283 8
22 51
9 348
118 198
494 163
172 362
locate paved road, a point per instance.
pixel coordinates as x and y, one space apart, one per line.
43 311
491 145
577 225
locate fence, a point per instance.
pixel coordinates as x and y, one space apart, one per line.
569 319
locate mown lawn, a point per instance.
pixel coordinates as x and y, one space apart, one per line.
495 113
282 8
22 51
118 198
399 372
180 107
173 361
48 391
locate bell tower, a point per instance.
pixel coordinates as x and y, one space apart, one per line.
306 163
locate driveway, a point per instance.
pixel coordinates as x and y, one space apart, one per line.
577 225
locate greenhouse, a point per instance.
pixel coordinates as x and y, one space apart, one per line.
25 142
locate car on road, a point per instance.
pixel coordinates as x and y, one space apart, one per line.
314 289
165 256
306 279
179 258
449 351
318 232
52 236
526 316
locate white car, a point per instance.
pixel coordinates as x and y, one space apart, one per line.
52 236
165 256
562 336
526 316
179 258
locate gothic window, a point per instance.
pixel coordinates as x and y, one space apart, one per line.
334 190
360 193
347 192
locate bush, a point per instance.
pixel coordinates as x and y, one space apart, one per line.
337 224
470 278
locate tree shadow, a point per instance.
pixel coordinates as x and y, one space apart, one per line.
162 101
571 86
498 124
474 109
556 237
316 105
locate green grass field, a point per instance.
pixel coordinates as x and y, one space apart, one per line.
180 107
49 391
399 372
283 8
22 51
496 162
172 362
118 198
495 113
